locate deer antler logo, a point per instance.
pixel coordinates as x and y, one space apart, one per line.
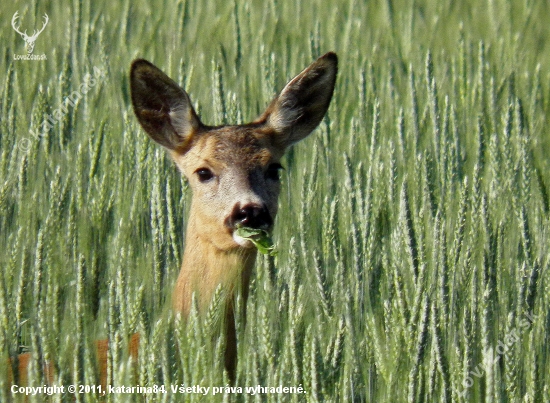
29 40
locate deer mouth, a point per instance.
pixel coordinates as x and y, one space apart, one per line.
247 236
249 223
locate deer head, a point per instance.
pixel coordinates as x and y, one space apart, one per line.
29 40
232 170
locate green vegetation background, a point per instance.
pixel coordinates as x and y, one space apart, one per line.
413 224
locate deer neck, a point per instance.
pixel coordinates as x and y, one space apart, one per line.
205 267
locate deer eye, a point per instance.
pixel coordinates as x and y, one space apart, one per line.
273 172
204 174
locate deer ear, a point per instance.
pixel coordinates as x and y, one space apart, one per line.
302 104
163 109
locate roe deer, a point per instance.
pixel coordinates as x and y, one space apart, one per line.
233 172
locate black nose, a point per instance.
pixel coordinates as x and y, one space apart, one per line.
251 215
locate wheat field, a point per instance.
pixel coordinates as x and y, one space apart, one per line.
413 224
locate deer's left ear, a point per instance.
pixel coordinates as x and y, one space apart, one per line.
301 105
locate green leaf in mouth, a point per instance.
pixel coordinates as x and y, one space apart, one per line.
260 238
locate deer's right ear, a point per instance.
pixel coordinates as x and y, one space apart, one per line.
163 109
